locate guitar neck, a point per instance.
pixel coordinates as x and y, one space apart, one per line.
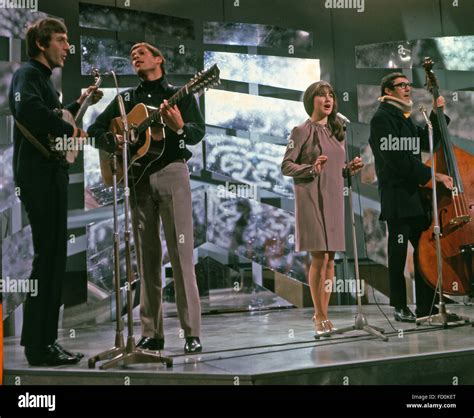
85 104
200 82
155 115
82 110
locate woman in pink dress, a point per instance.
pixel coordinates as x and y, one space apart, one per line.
315 158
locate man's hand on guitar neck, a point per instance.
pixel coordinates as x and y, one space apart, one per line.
171 116
96 95
80 135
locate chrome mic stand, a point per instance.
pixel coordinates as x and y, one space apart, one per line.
130 355
119 347
443 317
360 319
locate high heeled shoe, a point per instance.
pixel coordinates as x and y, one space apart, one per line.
323 325
330 325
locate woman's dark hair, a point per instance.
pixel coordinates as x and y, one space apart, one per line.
335 125
387 82
41 31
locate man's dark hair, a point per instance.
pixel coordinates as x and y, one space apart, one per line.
41 32
387 82
154 51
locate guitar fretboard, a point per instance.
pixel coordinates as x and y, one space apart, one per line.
155 115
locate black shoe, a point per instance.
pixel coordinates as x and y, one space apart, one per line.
404 315
193 345
48 356
421 313
67 352
149 343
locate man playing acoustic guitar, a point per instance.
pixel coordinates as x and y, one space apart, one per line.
163 193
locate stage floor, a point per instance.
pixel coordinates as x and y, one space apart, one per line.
273 347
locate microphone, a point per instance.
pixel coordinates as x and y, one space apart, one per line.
343 118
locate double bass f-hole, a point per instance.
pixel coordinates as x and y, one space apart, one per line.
441 222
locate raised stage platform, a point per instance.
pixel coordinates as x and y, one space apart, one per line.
274 347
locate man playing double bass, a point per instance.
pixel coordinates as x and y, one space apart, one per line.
400 174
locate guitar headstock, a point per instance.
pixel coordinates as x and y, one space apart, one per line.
204 80
431 80
97 76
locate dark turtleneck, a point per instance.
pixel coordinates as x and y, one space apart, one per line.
33 98
152 93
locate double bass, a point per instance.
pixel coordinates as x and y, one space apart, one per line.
455 212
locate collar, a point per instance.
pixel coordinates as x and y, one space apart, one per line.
399 104
43 68
160 84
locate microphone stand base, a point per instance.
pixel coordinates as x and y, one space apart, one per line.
112 352
443 317
132 355
360 324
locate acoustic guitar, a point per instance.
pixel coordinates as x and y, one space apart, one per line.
146 150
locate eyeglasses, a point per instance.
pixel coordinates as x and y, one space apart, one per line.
403 85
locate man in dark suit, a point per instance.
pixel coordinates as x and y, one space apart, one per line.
396 142
42 179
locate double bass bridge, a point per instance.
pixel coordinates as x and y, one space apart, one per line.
460 220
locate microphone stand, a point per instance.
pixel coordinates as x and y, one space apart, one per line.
130 354
119 347
443 317
360 319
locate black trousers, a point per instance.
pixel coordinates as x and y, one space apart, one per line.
400 231
43 192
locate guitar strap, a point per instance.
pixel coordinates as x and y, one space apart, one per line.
33 141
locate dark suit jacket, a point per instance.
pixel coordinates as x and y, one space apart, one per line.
400 172
33 98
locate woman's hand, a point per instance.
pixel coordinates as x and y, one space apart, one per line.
319 164
355 165
440 102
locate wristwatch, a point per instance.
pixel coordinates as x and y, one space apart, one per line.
180 132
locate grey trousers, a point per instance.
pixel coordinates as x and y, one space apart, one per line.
166 195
